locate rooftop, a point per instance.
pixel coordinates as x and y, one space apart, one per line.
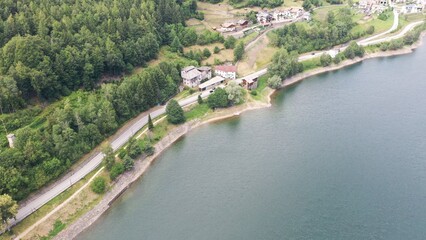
226 68
190 72
212 81
204 68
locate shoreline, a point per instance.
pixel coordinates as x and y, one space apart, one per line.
127 179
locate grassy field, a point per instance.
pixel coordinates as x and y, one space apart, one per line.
261 85
320 13
197 111
223 56
311 64
379 25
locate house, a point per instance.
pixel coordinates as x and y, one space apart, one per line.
228 25
193 76
226 71
263 17
307 16
242 22
249 83
281 15
410 8
211 84
206 72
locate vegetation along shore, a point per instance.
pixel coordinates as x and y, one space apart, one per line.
73 82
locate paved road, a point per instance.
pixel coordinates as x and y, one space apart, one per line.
96 160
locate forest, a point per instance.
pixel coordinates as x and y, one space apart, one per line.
303 38
51 49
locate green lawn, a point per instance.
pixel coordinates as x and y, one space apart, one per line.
379 25
311 64
320 13
197 111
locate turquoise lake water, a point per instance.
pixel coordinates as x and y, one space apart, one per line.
341 155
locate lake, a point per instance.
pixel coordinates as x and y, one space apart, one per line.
341 155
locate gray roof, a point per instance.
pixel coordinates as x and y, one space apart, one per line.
204 68
212 81
190 73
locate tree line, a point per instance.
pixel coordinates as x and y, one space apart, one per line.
49 49
317 35
50 145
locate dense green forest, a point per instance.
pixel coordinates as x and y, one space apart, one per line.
56 48
51 48
302 37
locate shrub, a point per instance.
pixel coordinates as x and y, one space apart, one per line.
206 53
274 82
325 60
216 50
128 163
218 99
116 170
253 92
98 185
149 149
230 42
370 30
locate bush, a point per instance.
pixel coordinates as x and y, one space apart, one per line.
133 149
253 92
230 42
370 30
149 149
98 185
325 60
206 53
274 82
116 170
239 52
128 163
338 58
216 50
218 99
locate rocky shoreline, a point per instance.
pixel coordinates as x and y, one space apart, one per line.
128 178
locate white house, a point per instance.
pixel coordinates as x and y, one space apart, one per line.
192 76
226 71
410 8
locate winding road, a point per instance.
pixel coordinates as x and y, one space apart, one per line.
123 137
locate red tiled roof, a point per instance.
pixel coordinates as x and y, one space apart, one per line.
226 68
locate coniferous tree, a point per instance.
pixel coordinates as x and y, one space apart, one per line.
175 114
150 123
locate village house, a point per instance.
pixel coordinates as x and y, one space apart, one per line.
206 72
249 83
263 17
242 22
226 71
281 15
193 76
211 84
228 27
